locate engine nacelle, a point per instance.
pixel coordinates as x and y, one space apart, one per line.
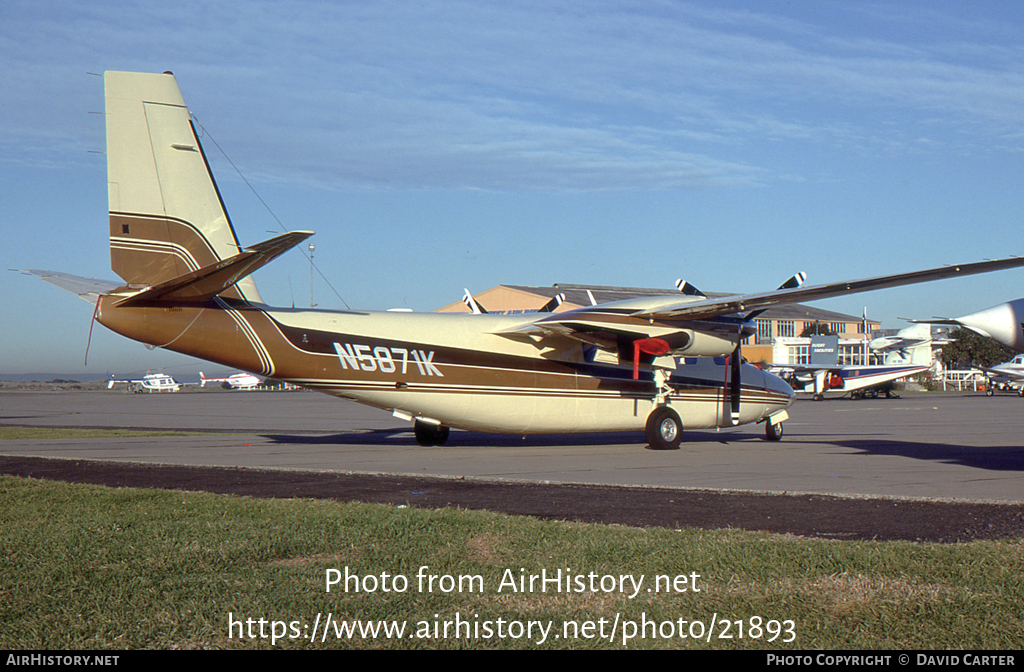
705 344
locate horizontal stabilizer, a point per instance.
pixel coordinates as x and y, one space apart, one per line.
87 289
209 281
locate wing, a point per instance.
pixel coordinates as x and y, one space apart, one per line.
681 319
741 303
1009 374
615 325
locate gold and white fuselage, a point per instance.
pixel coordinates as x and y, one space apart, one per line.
453 369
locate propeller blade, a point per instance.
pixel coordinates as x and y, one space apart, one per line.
550 306
688 289
794 282
472 304
735 361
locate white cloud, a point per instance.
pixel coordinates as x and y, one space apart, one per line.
518 95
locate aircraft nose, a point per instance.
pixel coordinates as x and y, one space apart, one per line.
777 385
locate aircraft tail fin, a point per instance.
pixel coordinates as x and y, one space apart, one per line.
167 218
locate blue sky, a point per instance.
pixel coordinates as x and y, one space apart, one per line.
439 145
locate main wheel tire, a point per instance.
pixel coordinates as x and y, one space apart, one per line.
772 432
430 435
664 429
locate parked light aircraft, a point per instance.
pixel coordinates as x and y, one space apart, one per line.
1007 376
151 382
610 367
237 381
907 353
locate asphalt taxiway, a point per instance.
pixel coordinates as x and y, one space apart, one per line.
963 447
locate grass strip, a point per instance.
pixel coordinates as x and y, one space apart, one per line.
94 567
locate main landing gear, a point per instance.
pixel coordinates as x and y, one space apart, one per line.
664 429
430 435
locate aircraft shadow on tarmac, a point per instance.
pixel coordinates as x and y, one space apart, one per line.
993 458
465 439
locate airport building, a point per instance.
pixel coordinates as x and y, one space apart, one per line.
779 329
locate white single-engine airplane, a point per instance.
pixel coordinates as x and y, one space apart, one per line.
654 363
906 354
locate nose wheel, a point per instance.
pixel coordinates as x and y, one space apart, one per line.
772 432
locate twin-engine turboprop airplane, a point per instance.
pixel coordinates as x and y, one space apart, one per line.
654 363
1006 376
